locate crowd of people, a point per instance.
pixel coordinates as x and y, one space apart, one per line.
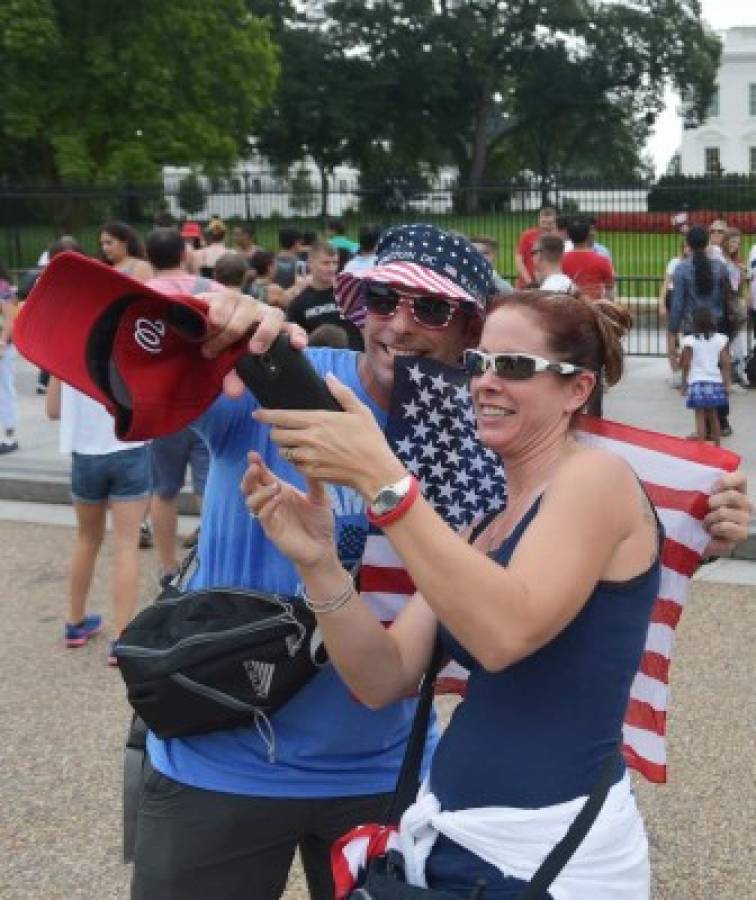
551 653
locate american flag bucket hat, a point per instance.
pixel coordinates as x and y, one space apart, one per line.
425 259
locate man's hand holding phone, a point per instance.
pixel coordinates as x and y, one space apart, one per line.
234 316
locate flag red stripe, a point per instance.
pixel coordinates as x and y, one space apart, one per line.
448 685
680 558
694 503
693 451
655 665
643 715
666 612
386 578
650 770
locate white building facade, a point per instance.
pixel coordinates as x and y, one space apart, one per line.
726 142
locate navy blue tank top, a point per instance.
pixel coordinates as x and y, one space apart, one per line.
537 732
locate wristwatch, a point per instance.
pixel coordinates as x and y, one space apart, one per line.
390 496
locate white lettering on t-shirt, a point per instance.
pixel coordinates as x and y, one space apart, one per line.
345 500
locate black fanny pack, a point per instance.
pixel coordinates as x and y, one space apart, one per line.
217 659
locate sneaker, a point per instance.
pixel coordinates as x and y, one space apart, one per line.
146 539
41 389
8 446
727 431
191 539
78 635
111 659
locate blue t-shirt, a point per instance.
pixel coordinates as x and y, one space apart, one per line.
326 743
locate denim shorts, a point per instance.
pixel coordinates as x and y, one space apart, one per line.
123 475
170 457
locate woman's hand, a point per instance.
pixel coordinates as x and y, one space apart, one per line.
729 515
342 447
299 524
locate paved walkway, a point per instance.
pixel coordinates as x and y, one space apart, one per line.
64 718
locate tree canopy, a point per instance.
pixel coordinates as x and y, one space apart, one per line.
536 85
95 92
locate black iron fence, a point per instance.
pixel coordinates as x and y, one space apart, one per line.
637 222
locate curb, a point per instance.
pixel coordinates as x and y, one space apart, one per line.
58 491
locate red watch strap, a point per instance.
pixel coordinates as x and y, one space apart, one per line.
401 508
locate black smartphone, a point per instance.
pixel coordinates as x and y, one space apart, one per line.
283 378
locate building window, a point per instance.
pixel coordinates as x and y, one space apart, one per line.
753 160
675 165
713 111
752 99
712 165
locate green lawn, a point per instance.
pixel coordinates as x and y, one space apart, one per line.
634 253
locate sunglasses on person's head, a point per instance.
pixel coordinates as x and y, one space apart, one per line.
382 300
514 366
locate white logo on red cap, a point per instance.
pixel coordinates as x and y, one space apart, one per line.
149 334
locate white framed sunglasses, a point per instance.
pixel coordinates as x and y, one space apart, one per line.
514 366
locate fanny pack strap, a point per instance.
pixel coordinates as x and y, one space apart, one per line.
562 852
408 781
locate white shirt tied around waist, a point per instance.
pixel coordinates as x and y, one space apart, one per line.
610 864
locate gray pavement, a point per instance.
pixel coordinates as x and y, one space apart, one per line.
64 718
64 714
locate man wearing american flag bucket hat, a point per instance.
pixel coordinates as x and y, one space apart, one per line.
334 763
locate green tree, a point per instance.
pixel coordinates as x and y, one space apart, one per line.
311 113
541 82
29 37
120 89
191 195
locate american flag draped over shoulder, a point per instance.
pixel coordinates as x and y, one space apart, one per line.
432 429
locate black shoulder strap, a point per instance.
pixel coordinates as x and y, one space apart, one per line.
408 782
480 526
562 852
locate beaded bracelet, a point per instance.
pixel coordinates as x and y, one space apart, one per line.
332 605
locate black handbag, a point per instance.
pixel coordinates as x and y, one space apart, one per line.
384 877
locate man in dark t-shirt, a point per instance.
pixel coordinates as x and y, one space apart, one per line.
316 304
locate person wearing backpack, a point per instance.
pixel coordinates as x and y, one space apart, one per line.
172 454
701 280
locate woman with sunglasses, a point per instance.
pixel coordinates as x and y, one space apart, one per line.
548 609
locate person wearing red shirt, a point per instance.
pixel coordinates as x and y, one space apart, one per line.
592 272
524 264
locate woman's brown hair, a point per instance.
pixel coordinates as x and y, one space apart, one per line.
587 333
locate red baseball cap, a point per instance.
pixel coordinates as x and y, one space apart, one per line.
134 349
191 230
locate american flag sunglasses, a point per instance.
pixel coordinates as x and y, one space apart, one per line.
514 366
382 300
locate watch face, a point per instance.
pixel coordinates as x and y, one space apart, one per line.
388 499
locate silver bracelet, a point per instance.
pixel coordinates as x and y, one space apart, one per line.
332 605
